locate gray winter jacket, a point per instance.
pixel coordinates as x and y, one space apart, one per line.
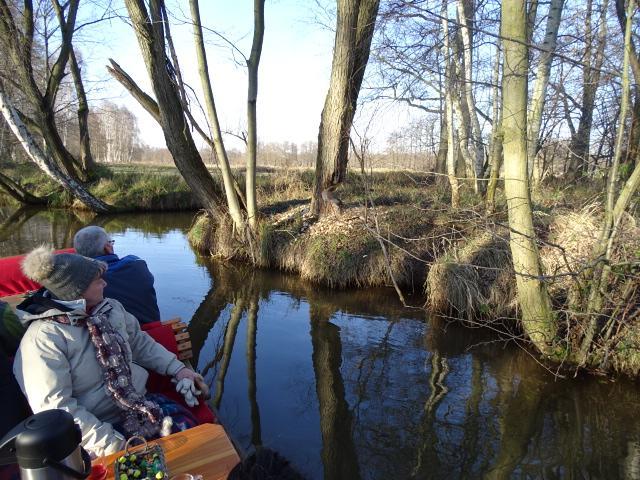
56 367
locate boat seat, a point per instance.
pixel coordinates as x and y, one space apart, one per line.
164 334
12 280
14 286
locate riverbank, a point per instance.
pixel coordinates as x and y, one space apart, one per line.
397 229
125 187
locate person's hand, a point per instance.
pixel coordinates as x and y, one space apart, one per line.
186 372
198 381
185 381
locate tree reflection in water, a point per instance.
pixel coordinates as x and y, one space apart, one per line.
351 385
338 449
400 398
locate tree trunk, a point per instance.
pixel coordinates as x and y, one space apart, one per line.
537 316
88 165
150 33
580 142
221 152
15 190
465 17
452 140
495 151
614 208
441 157
354 32
536 108
252 122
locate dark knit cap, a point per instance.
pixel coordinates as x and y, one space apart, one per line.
66 275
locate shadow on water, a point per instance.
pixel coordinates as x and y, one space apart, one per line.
351 385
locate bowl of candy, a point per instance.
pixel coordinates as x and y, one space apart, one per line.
141 462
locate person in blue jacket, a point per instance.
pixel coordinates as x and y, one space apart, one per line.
128 278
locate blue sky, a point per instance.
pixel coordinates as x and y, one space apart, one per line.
294 69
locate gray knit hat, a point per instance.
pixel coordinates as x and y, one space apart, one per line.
66 275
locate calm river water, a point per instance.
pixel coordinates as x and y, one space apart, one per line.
349 385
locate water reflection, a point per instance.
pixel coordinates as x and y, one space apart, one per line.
351 385
395 398
22 228
336 421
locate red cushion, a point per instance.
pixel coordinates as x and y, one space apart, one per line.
163 334
12 280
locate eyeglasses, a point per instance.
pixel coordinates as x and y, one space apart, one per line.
111 242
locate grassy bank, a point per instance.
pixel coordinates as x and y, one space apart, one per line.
459 261
127 188
343 250
397 228
409 214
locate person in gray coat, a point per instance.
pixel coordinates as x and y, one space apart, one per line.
85 354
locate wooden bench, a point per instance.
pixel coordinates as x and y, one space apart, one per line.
183 339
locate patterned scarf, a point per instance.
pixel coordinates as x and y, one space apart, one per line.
141 416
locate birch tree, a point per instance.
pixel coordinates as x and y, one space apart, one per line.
44 161
452 140
17 41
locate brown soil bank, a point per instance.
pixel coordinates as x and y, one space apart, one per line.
460 259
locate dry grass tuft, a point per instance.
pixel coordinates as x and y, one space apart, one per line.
474 279
573 236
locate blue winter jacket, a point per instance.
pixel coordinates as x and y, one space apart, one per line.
131 283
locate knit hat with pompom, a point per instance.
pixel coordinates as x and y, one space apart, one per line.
66 275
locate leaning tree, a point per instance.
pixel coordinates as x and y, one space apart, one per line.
354 31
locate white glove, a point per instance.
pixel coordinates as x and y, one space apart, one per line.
188 390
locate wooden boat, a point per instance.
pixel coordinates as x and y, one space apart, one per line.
205 450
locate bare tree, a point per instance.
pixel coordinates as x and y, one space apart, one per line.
252 123
591 77
221 153
536 105
617 201
537 316
354 32
150 31
17 40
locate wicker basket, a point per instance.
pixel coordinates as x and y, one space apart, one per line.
141 462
